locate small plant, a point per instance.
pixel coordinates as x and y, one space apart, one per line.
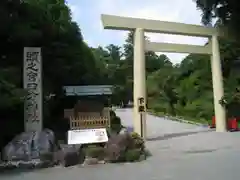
94 151
138 141
132 155
116 124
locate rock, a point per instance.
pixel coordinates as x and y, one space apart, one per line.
71 155
25 165
102 162
116 147
90 161
142 157
70 159
31 150
7 166
58 156
30 145
126 147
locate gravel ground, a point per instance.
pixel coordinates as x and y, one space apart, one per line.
180 152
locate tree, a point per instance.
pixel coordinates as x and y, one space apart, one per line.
67 60
226 11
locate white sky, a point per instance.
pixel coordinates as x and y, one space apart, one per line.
87 14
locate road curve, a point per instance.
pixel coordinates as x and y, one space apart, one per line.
158 126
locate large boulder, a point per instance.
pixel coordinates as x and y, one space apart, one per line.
40 149
117 146
30 145
125 147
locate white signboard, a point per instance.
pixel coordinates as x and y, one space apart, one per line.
86 136
33 85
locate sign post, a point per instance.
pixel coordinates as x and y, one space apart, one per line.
141 110
32 79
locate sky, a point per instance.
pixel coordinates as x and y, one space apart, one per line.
87 14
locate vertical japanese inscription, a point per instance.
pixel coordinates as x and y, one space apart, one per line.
33 87
141 104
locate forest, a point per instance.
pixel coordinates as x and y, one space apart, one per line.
183 89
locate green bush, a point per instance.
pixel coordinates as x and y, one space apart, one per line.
137 149
116 124
137 141
95 152
127 147
112 114
132 155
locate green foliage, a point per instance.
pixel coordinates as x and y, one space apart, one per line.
11 95
132 155
116 124
136 150
67 60
227 13
185 89
138 142
130 150
95 151
129 147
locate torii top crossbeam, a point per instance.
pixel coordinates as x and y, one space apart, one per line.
155 26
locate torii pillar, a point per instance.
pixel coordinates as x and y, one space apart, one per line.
139 83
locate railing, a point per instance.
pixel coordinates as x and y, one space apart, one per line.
90 120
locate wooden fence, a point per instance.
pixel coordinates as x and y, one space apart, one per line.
88 120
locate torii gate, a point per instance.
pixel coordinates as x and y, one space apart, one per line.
140 46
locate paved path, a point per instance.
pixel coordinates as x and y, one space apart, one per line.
180 152
159 127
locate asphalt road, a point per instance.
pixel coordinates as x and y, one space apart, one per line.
180 152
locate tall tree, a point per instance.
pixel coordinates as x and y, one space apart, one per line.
227 13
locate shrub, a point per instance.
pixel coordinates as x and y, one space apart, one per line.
95 151
137 141
132 155
116 120
136 149
112 114
116 124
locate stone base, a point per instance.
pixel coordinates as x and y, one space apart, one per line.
92 161
25 165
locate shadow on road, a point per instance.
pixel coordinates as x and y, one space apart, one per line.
175 135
